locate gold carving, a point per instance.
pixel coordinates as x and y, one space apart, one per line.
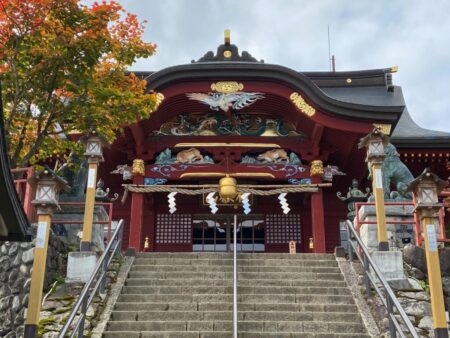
394 69
189 156
138 167
227 86
301 104
227 36
227 54
158 97
224 144
384 128
316 168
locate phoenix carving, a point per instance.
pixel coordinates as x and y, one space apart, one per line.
225 101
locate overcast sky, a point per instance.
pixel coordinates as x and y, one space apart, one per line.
365 34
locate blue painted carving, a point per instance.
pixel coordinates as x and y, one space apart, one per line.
211 124
297 181
154 181
167 169
289 169
165 157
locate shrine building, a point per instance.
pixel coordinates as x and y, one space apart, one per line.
269 127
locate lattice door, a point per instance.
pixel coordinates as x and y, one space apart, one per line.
173 229
281 229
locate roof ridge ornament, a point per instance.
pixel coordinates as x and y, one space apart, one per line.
227 52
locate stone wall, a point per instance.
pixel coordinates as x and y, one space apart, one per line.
16 261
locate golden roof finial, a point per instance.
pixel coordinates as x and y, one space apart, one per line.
227 37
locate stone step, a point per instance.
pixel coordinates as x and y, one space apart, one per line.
217 334
240 262
222 275
243 326
212 268
241 282
242 290
228 306
227 315
242 298
215 255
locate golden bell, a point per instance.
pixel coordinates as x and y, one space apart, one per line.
227 188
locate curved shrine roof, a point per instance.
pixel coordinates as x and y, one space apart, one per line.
363 94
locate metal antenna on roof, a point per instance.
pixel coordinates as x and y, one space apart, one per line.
329 48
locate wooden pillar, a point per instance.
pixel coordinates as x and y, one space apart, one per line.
137 204
318 224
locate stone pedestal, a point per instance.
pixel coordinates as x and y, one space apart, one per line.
80 266
398 234
390 263
70 232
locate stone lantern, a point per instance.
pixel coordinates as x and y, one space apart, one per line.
353 196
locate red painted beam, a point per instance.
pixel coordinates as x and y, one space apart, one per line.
318 224
137 202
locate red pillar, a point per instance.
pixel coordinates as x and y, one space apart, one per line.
318 224
137 202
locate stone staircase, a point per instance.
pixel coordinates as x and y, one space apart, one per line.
184 295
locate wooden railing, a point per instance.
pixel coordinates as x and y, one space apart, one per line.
25 190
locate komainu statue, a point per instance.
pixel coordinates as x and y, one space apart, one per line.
395 173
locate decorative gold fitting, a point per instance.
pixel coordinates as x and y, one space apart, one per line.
138 167
146 243
394 69
311 243
316 168
227 86
159 99
227 36
384 128
301 104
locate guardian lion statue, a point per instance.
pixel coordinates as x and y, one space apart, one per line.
395 172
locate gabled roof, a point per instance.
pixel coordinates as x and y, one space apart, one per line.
362 94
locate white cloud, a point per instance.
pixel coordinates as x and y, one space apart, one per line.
364 35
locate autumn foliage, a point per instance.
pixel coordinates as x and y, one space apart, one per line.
63 67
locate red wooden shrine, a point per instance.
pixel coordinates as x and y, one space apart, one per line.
316 116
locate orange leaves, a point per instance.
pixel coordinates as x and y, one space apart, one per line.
64 64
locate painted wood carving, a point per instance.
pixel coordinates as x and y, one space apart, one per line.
225 101
213 124
188 156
